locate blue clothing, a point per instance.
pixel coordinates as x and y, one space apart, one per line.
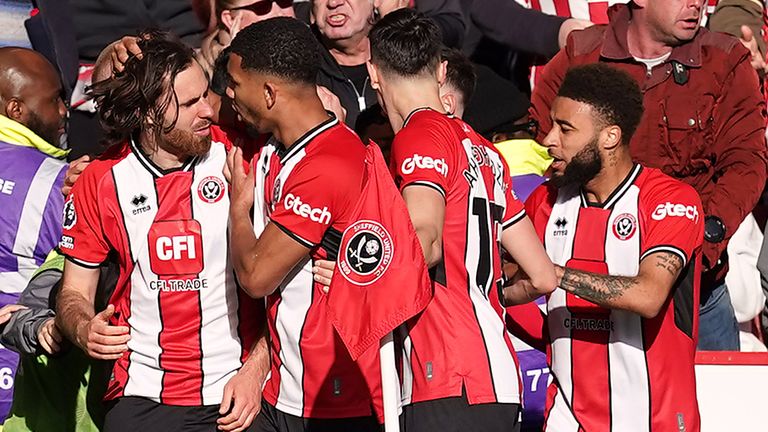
718 328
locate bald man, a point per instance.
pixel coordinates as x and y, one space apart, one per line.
32 121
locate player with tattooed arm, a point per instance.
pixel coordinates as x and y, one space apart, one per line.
626 243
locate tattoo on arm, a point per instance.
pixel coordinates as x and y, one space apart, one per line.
595 287
669 262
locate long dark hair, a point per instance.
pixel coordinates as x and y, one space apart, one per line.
136 99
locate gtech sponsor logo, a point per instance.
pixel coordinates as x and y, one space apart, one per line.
294 202
675 210
424 162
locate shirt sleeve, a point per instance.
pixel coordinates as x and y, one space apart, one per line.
514 211
313 199
675 223
83 240
420 156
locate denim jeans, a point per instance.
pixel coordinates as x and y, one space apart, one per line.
718 328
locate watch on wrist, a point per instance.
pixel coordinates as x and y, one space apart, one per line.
714 229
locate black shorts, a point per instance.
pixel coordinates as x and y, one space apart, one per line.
270 419
457 415
136 414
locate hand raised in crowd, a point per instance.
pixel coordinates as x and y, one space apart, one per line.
76 167
387 6
101 340
240 184
750 42
241 402
331 102
49 337
570 25
323 272
216 42
7 311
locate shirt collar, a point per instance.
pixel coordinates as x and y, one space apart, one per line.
16 133
615 46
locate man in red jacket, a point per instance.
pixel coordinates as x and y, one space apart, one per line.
704 123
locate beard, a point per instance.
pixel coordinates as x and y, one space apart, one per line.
185 143
48 132
584 166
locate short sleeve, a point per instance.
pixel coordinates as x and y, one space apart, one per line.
421 156
314 198
674 221
83 240
515 210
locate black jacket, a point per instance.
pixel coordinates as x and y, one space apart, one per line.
332 78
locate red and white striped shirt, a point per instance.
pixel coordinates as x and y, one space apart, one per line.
176 290
309 190
460 341
614 370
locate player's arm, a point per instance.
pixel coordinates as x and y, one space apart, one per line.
76 318
260 263
426 207
538 277
241 402
643 294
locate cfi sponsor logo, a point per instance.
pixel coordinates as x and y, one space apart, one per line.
70 215
424 162
294 203
211 189
624 226
675 210
366 252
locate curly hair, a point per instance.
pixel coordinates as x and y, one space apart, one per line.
612 93
136 99
282 47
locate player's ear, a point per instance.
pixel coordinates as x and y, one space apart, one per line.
373 72
270 94
610 137
449 102
442 71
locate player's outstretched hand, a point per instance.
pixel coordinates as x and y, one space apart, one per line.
103 341
323 272
49 337
242 400
76 167
241 184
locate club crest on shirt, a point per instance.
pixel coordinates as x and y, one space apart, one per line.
365 253
211 189
70 216
624 226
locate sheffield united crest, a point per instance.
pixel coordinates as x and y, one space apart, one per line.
366 252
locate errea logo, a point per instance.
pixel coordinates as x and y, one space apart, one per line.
424 162
675 210
294 203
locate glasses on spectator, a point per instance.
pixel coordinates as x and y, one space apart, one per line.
263 7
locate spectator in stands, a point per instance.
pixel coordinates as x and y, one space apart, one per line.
704 124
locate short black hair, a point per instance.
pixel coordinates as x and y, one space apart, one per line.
283 47
220 76
460 74
405 42
612 93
